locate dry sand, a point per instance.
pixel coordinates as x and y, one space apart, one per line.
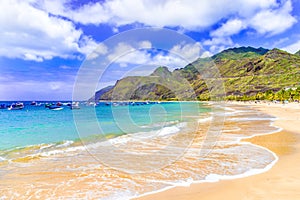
280 182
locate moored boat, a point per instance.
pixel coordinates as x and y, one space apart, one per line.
75 105
16 106
54 107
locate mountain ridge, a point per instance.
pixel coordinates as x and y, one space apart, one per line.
244 71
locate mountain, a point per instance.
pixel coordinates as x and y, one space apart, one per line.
297 53
244 72
240 53
161 84
99 93
272 71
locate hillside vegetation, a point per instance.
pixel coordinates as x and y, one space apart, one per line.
245 72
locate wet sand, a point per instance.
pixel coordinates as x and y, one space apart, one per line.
282 181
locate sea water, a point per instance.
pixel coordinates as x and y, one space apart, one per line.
36 125
120 151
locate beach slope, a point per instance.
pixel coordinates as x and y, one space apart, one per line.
280 182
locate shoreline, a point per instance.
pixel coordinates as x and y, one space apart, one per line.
234 185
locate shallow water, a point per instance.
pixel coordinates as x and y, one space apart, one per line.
146 160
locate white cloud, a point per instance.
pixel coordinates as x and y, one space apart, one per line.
169 60
229 28
55 85
65 67
206 54
120 50
145 44
37 29
135 57
38 90
189 52
32 34
273 21
293 48
188 14
218 44
94 50
218 41
178 56
125 53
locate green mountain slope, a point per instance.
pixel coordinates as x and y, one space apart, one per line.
99 93
240 53
161 84
245 72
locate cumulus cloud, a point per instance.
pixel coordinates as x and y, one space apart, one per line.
43 29
32 34
293 48
139 54
119 51
229 28
38 90
189 52
218 44
273 21
145 44
188 14
265 16
94 50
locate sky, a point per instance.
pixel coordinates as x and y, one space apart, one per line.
46 44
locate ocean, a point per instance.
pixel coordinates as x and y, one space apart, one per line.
124 150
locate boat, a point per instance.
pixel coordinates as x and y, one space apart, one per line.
115 104
75 105
16 106
47 105
91 104
33 103
54 107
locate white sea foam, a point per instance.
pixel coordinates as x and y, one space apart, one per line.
65 143
165 184
61 151
229 109
252 119
140 136
45 146
217 177
168 131
120 140
207 119
2 159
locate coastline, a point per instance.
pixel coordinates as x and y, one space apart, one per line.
281 181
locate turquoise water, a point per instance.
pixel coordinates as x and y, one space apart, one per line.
125 151
35 125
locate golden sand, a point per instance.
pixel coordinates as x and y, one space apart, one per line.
280 182
71 177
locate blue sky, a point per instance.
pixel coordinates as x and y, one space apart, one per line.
45 42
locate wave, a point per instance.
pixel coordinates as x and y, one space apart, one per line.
69 146
140 136
30 152
2 159
252 119
207 119
229 160
168 130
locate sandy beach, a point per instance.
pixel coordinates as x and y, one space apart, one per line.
280 182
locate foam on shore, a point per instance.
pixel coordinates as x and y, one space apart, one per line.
228 158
